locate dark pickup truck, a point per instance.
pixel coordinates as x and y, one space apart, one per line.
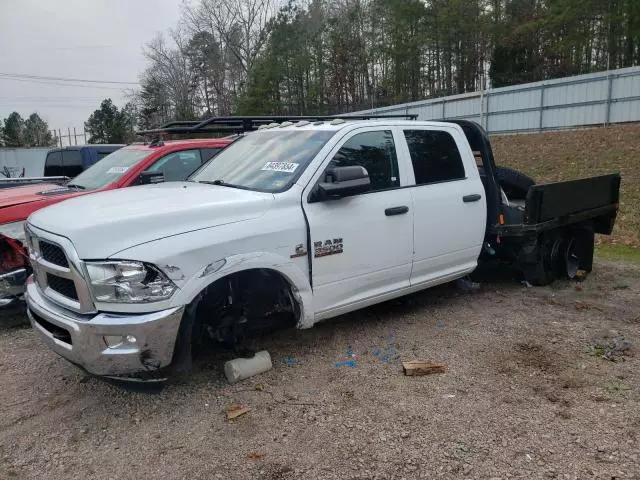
62 164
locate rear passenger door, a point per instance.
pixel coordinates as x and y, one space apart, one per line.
449 206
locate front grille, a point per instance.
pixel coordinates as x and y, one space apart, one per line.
58 333
53 254
63 286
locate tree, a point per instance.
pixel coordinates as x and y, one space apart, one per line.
37 132
332 56
170 70
110 125
14 131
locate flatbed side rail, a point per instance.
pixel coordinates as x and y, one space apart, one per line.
548 201
558 204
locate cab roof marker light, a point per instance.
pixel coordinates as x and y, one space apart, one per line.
272 125
338 121
286 124
319 122
302 123
262 127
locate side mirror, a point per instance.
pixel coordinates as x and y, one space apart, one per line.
148 177
344 181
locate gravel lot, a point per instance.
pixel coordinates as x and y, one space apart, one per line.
525 395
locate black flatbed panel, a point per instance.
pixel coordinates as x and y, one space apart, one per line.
562 199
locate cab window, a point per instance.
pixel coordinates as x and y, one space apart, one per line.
434 155
374 151
209 153
53 164
177 166
72 162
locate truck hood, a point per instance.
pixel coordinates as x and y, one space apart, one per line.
30 193
105 223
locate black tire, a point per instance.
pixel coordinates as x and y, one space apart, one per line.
514 183
544 270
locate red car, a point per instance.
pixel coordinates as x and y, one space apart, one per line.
136 164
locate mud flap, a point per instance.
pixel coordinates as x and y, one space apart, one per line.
182 360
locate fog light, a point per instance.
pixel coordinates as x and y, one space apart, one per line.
117 341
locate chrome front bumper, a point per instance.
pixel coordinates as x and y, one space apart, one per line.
106 344
12 286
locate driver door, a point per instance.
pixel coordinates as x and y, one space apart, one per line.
362 245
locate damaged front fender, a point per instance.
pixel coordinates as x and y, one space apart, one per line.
295 277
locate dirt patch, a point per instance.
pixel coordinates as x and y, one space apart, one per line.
520 397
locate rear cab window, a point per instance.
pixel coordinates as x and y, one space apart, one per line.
435 156
53 164
72 163
101 155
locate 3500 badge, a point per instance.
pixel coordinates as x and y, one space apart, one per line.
328 247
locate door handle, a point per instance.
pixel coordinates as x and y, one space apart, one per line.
396 210
474 197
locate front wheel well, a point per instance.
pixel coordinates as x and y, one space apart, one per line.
233 307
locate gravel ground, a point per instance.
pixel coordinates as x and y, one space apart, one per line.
526 394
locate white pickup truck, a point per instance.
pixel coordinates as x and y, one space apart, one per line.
292 224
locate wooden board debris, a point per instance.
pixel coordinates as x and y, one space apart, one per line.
234 411
418 367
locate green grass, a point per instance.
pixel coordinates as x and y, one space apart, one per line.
627 253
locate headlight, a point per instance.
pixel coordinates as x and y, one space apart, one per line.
13 230
128 282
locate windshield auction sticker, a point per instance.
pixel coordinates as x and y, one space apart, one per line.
117 169
285 167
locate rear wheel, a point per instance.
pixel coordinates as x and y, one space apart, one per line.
569 262
560 255
543 271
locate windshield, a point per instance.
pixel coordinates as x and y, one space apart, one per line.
109 169
267 161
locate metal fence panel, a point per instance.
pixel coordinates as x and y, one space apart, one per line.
31 159
592 99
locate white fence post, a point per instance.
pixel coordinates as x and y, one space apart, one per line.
609 92
540 122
